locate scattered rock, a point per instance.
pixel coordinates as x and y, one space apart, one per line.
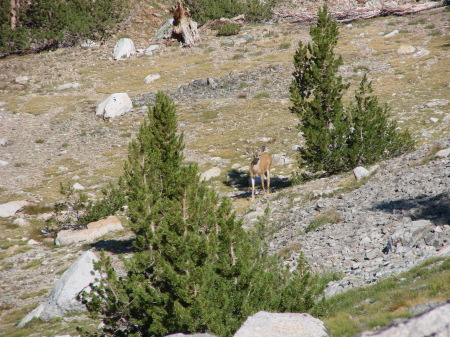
394 32
265 324
406 50
78 186
3 142
22 79
68 86
422 53
115 105
3 163
211 173
87 43
21 222
149 51
94 231
151 78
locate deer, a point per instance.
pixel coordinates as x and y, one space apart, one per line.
260 166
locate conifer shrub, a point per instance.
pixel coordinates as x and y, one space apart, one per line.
206 10
228 29
50 24
194 268
337 138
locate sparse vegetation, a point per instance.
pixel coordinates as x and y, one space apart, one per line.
378 305
206 10
228 29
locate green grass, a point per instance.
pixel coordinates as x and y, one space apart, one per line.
379 305
328 216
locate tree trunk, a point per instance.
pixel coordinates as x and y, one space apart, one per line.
13 14
184 29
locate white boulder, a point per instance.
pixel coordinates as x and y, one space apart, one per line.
124 48
360 172
62 298
266 324
115 105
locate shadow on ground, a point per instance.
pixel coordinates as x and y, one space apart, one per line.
434 208
241 182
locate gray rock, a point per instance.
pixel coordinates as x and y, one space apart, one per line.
443 153
3 142
149 51
62 298
150 78
165 31
394 32
265 324
68 86
435 322
422 53
211 173
22 79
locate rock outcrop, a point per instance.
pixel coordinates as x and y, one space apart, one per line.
62 298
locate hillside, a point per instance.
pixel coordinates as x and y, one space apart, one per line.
50 135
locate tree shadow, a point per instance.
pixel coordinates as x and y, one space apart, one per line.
115 246
241 182
434 208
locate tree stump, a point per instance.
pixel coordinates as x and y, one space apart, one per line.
184 29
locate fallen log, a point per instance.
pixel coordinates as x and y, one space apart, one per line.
386 10
366 12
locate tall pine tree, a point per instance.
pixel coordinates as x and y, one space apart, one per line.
316 94
195 269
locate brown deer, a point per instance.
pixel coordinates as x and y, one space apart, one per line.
260 166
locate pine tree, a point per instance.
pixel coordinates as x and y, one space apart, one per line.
316 94
373 136
195 269
337 138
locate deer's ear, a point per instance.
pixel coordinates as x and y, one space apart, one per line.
250 152
262 149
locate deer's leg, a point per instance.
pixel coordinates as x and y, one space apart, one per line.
268 182
262 183
253 188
